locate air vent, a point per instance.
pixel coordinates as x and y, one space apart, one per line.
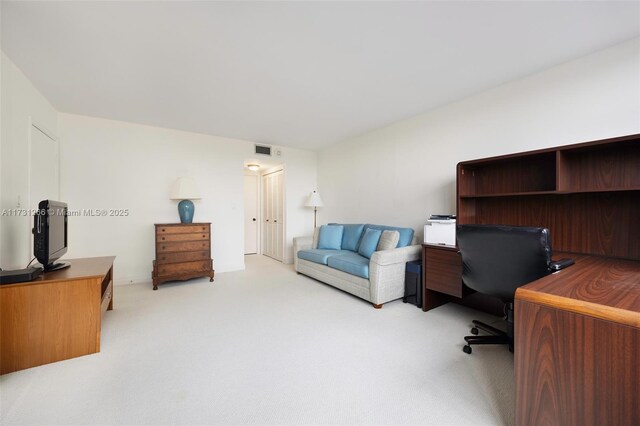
262 149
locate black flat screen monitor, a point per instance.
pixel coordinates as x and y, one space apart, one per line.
50 234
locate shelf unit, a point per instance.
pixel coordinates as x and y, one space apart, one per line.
568 189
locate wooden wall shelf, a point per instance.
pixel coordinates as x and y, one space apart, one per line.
567 189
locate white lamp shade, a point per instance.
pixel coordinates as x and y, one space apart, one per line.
185 188
314 200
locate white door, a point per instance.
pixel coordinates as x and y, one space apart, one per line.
44 175
273 219
250 214
266 213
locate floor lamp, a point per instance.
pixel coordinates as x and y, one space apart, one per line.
314 201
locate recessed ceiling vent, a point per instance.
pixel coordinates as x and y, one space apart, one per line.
263 150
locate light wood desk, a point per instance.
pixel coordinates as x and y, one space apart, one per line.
55 317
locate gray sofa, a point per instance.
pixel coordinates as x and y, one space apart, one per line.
378 279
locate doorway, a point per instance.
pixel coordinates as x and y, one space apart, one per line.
251 209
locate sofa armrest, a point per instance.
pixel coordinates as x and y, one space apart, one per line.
398 255
300 243
387 270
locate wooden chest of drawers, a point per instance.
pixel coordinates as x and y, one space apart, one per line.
183 251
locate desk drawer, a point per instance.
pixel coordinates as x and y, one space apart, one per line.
184 267
182 246
181 229
443 268
204 236
188 256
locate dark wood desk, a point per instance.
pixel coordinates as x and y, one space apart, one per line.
577 336
441 275
577 345
56 317
442 281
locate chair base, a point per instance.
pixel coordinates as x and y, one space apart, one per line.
495 337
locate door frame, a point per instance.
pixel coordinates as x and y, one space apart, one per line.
34 125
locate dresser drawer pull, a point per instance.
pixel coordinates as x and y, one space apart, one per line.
162 238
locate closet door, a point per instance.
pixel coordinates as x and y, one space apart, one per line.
273 218
266 213
279 214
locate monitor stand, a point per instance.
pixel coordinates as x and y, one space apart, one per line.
56 266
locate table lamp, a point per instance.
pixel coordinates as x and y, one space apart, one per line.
185 189
314 201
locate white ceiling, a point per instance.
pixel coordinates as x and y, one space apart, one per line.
303 74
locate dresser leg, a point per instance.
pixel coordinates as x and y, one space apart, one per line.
213 273
377 306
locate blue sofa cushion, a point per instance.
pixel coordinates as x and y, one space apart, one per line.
330 237
350 263
406 234
318 255
351 236
369 242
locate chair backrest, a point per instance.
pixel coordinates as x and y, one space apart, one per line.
497 259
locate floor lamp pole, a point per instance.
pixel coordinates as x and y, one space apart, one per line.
315 213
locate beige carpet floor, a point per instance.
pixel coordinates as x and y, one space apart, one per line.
268 346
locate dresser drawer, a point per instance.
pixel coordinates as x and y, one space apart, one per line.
182 229
183 257
204 236
184 267
443 268
182 246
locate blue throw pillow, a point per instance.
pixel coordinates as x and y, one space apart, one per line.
351 237
330 237
369 242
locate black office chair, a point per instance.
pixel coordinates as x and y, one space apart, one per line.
496 260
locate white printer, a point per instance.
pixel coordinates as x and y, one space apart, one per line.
440 229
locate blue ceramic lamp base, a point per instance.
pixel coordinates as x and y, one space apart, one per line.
186 209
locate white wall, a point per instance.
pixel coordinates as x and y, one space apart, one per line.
109 164
21 104
400 174
300 179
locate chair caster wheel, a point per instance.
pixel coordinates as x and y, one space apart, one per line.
474 331
466 349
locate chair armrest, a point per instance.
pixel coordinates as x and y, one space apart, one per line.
397 255
557 265
387 270
300 243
